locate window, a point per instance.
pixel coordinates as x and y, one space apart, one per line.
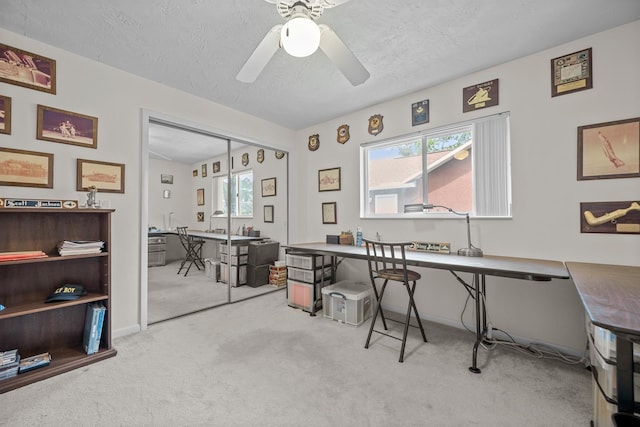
241 194
465 167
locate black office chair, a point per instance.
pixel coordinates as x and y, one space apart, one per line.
193 250
387 261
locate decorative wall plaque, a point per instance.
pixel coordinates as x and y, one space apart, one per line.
375 124
343 134
420 112
314 142
479 96
610 217
571 73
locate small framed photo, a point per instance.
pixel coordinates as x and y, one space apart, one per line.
166 194
268 187
195 172
571 73
216 167
22 168
200 196
166 178
268 213
5 115
609 150
27 69
420 113
329 215
200 217
329 179
66 127
106 177
204 170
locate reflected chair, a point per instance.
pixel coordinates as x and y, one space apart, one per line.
387 262
193 250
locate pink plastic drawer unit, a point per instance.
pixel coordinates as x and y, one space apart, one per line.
301 295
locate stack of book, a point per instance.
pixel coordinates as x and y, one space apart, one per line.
79 247
9 363
277 275
93 327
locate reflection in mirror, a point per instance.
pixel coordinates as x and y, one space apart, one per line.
233 201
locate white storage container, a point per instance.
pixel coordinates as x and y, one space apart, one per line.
238 274
235 260
308 276
347 302
307 261
235 249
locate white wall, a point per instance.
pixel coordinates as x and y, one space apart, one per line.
546 193
117 99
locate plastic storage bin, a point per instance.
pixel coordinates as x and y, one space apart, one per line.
235 249
347 302
309 276
257 275
265 252
235 260
238 274
301 295
306 261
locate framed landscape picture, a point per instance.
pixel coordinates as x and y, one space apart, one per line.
106 177
5 115
27 69
66 127
23 168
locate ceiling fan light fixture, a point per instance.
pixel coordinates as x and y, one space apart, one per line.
300 36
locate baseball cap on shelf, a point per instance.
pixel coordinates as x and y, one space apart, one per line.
66 293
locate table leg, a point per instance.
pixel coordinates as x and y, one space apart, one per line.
481 322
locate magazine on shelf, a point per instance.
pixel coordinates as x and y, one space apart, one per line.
34 362
80 247
9 363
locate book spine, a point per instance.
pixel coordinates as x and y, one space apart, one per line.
90 328
96 341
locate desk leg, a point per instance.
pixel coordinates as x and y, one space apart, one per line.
481 319
624 374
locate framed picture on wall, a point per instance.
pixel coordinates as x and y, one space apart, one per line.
216 167
329 215
571 73
106 177
268 187
28 69
5 115
66 127
329 179
609 150
166 178
204 170
200 196
26 168
268 213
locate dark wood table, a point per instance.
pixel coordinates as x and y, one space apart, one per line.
480 267
611 297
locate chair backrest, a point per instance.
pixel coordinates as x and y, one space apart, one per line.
387 260
184 236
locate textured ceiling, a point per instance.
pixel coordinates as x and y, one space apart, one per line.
199 46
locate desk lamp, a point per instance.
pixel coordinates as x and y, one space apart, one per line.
468 251
216 213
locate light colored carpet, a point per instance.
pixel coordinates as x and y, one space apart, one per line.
171 295
262 363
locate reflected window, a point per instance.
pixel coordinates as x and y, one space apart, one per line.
241 196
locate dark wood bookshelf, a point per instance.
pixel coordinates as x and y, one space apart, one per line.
28 323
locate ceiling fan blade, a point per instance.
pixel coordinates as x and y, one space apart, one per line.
261 56
340 54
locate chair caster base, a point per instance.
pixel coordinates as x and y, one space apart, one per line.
474 370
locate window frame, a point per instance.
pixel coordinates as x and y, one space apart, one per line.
477 144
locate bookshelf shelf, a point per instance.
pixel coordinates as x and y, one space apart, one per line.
28 323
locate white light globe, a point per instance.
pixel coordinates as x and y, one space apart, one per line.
300 37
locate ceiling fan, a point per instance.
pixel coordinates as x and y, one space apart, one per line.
300 36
